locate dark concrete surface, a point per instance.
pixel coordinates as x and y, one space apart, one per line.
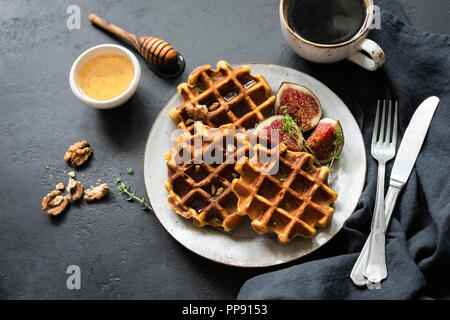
123 252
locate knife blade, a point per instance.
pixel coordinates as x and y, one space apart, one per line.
409 151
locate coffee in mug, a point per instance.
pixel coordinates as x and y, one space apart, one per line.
326 21
327 31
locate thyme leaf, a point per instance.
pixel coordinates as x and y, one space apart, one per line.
124 189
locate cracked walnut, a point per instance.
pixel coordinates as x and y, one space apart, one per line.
196 112
78 153
74 189
96 193
54 203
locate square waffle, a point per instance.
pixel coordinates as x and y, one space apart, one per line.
201 190
291 201
222 96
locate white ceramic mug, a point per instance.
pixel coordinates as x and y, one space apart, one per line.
329 53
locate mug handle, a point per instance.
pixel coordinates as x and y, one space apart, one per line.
373 50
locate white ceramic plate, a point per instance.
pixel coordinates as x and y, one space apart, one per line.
243 247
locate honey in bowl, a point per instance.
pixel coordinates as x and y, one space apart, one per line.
106 76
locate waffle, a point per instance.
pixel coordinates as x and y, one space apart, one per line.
223 96
200 191
292 200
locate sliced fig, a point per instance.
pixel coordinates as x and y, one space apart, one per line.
327 140
264 131
301 104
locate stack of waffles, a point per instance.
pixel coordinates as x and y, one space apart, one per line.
217 177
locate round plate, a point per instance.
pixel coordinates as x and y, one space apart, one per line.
243 247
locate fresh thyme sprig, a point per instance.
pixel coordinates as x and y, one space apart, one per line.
292 128
198 89
336 154
123 189
340 138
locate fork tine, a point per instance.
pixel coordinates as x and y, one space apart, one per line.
388 124
381 137
394 130
375 125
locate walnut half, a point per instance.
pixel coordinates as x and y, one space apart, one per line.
78 153
54 203
196 112
95 193
74 189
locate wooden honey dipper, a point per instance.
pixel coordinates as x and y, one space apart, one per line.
162 57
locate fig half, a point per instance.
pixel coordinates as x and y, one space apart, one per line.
265 132
301 104
327 140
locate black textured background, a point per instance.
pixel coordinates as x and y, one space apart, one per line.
122 251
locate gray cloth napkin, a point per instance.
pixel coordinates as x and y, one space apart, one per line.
417 249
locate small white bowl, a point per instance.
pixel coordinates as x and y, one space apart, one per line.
92 53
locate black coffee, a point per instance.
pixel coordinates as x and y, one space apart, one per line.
326 21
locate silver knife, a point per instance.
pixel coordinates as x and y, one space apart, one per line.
408 151
404 162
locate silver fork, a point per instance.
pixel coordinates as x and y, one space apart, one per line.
371 263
